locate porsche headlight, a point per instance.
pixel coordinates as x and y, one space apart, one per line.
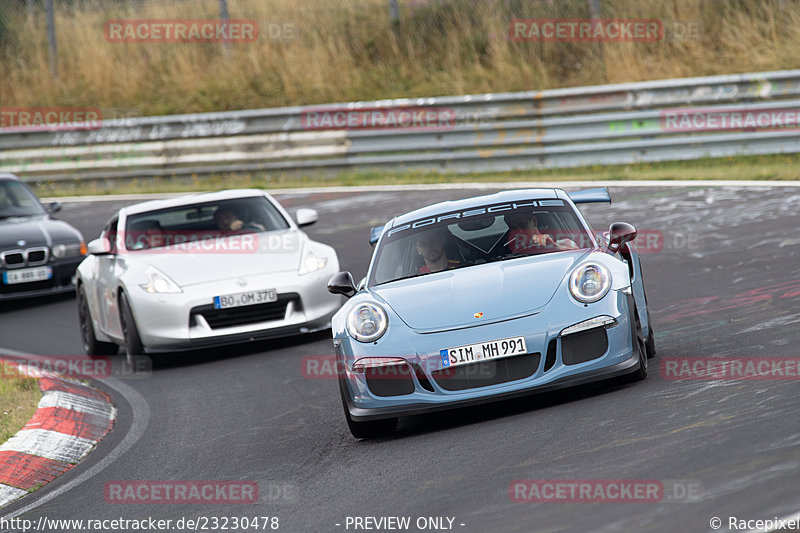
69 250
159 283
589 282
311 263
367 322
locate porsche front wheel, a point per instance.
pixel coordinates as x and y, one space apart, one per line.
639 348
369 429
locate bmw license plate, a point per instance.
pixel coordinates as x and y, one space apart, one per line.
472 353
245 298
27 275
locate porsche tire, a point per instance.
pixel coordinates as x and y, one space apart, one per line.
650 345
640 349
370 429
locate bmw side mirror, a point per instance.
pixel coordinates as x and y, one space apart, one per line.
53 207
618 234
342 283
306 217
99 246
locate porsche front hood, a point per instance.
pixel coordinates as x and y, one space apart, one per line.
493 291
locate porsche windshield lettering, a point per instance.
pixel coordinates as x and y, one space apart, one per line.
457 215
484 234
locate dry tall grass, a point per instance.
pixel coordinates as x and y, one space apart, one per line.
346 50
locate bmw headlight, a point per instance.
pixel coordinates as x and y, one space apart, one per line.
367 322
69 250
159 283
589 282
311 263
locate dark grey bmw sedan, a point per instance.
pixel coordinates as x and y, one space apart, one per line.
38 255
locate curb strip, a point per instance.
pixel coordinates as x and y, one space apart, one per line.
70 420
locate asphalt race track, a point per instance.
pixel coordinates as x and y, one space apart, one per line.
724 282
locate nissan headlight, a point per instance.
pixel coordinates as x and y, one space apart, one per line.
367 322
311 263
69 250
589 282
159 283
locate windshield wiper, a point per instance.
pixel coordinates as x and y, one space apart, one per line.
515 255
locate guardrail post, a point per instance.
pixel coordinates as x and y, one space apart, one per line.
30 8
223 15
52 46
595 10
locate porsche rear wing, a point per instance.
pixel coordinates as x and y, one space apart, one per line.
590 196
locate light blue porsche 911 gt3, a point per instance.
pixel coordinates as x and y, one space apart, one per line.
485 299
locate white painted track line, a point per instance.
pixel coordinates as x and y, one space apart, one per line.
453 186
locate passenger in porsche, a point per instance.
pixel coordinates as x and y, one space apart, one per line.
430 245
526 238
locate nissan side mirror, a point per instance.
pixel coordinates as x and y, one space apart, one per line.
305 217
99 246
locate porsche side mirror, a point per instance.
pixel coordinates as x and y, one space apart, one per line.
53 207
342 283
375 235
618 234
306 217
99 246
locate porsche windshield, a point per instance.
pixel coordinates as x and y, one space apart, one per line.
17 201
196 222
496 232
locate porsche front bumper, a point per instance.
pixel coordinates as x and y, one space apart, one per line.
548 365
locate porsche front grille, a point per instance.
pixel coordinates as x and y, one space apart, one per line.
486 373
581 347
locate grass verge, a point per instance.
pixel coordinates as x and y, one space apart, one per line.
766 167
19 397
341 50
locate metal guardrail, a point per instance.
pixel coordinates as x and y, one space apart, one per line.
609 124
